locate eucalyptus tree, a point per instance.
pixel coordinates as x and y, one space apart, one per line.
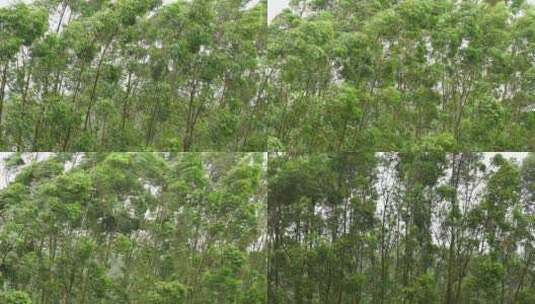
384 74
133 75
134 228
321 217
416 226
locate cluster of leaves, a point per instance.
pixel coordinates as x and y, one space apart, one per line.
407 227
132 75
156 228
212 75
384 74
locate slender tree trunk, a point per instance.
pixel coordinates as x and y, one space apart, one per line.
95 83
2 94
522 278
23 106
125 103
186 142
74 101
150 131
63 9
451 257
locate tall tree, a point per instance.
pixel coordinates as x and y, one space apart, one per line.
417 226
133 75
134 228
384 74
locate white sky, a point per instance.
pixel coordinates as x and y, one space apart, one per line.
275 7
5 2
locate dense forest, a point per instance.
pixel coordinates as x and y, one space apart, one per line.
208 83
212 75
132 75
410 227
147 228
382 74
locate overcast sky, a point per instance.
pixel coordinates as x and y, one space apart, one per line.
4 2
276 6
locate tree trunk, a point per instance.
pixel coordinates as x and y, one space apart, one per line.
94 88
2 94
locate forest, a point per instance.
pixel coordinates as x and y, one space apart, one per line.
137 228
212 75
382 74
418 227
193 152
132 75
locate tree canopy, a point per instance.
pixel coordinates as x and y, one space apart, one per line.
355 74
407 227
159 117
211 75
157 228
132 75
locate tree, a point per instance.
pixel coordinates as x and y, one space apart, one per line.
405 71
133 228
416 226
133 75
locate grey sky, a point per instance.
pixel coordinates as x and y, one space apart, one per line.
5 2
277 6
274 6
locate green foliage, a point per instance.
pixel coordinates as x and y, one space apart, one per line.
132 75
422 290
310 249
485 281
15 297
134 228
209 75
167 293
13 160
422 71
418 226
